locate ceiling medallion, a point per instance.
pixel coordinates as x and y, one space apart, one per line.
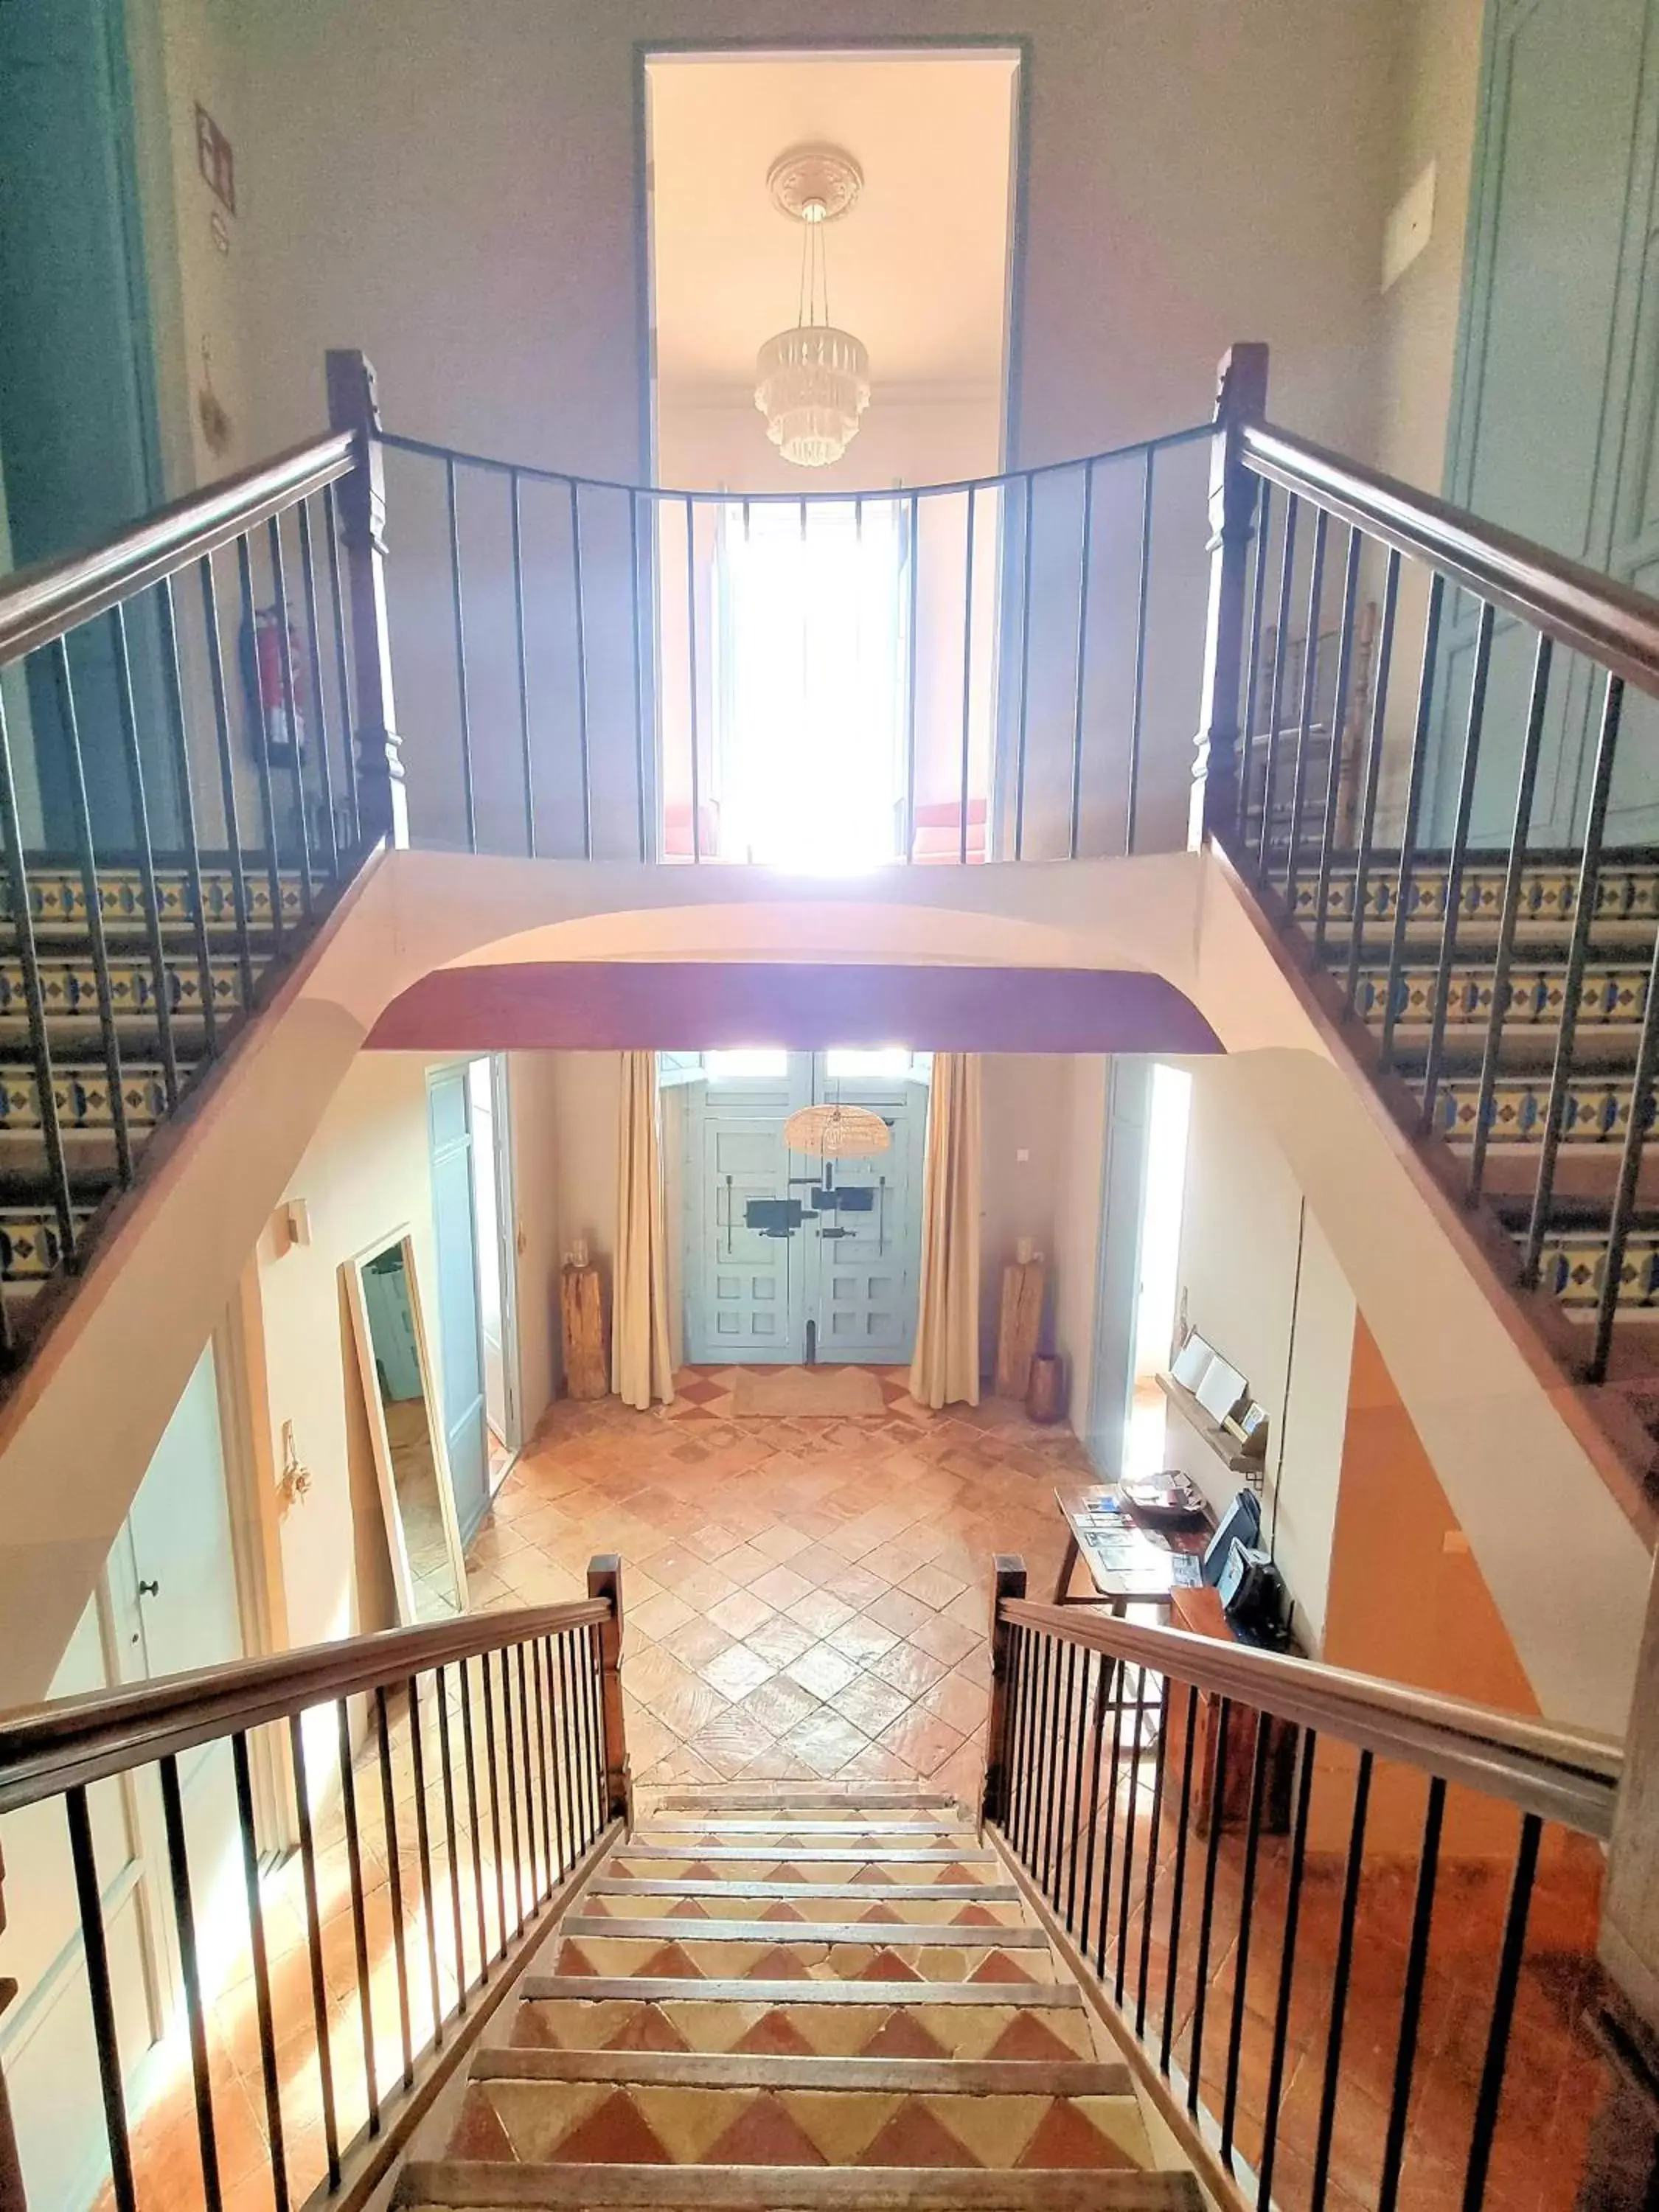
812 383
836 1133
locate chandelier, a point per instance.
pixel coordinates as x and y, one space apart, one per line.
812 383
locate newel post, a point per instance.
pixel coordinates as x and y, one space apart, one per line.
11 2165
1007 1581
382 806
605 1580
1241 398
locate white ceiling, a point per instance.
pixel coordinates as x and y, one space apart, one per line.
918 267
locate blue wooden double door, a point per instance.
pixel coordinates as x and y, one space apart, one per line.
838 1284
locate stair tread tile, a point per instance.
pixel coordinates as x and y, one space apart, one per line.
1075 2077
486 2184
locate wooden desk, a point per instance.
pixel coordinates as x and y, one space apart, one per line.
1144 1576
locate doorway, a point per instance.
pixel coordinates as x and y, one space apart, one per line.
493 1217
788 1259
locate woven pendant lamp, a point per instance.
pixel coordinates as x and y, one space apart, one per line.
838 1132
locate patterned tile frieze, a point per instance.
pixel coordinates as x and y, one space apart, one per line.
1573 1267
70 987
1549 892
1596 1110
58 898
84 1095
1616 994
30 1247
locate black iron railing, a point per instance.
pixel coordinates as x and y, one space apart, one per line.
1185 1809
569 654
416 1802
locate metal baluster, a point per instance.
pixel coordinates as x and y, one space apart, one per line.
127 715
1074 1823
1310 685
495 1803
1015 1766
262 742
1415 778
581 1772
1471 762
285 665
1373 775
1059 1775
641 748
1276 683
1103 1675
529 1776
1339 725
581 669
1514 876
184 1927
1340 1974
691 675
521 651
1178 1884
314 1940
35 1000
174 684
269 2076
239 899
595 1727
472 1821
1029 483
93 897
1261 548
1041 1747
910 681
1286 1972
1109 1840
1502 2016
359 1918
394 1866
534 1666
1154 1838
967 674
561 1646
452 1840
342 660
94 1947
461 698
424 1849
1137 711
512 1791
1242 1952
1126 1894
318 707
560 1830
1590 869
1074 817
1207 1909
1411 2004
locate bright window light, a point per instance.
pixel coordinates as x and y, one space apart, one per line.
745 1062
890 1060
809 683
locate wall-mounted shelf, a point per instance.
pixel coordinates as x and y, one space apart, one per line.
1227 1448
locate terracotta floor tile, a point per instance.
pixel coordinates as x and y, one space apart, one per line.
907 1669
780 1639
820 1611
737 1671
822 1672
740 1613
949 1639
697 1641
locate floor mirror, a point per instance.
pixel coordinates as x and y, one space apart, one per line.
422 1535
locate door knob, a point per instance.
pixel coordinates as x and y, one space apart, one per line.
149 1590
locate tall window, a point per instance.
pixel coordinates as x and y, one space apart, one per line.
809 656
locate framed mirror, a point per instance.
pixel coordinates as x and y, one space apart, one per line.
422 1535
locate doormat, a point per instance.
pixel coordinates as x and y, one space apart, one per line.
847 1394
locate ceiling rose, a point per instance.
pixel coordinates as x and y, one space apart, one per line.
812 382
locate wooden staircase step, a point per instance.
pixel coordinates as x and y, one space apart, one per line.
717 2070
799 1893
485 2184
644 1989
671 1929
677 1829
923 2024
886 1796
728 1854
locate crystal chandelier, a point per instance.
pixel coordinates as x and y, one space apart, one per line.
812 383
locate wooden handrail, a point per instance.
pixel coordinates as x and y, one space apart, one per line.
40 603
47 1749
1567 1775
1572 604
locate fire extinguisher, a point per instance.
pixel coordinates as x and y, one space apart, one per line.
268 686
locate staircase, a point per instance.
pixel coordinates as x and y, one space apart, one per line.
180 983
797 2003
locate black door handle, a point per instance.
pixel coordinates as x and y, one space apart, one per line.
149 1590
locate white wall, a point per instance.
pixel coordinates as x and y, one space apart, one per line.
1076 1243
1259 1281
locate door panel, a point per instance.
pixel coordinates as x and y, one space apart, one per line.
1556 397
842 1284
460 1342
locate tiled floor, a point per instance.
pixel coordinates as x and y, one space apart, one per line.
804 1599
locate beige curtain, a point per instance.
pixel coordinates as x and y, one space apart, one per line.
946 1370
641 1365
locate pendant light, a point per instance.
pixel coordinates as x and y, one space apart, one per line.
812 383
